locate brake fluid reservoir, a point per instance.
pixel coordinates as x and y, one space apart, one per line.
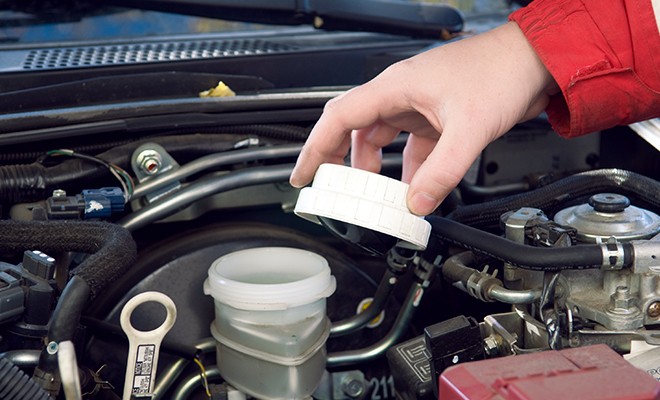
270 321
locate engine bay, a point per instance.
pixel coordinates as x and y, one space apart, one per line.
568 264
151 211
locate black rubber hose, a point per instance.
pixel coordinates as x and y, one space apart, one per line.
69 308
455 268
16 385
555 196
520 255
65 319
110 247
111 251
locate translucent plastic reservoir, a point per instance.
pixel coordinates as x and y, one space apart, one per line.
271 323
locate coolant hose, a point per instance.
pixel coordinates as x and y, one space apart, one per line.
527 257
15 384
555 196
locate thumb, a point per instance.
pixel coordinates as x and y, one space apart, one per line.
443 169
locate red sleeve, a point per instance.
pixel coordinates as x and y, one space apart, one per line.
605 57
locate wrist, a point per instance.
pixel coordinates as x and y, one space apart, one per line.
535 71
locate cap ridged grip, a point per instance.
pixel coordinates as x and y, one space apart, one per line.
364 199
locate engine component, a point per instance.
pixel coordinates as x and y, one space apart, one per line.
450 342
111 251
514 332
553 197
26 290
618 300
482 285
418 362
160 181
528 257
411 370
150 160
609 215
14 384
270 323
588 373
342 385
397 264
144 347
91 203
203 188
424 273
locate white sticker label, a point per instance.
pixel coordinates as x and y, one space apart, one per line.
144 363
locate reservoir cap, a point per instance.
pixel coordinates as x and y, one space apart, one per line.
345 199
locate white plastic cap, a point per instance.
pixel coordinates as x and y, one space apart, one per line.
364 199
269 278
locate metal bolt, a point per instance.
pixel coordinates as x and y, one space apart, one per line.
59 194
622 301
491 346
654 309
352 386
149 161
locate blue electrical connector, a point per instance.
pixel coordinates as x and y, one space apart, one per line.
101 203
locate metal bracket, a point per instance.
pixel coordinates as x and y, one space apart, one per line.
150 160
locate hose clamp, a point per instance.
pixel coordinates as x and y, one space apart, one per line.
612 255
479 283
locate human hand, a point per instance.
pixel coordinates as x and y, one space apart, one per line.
454 100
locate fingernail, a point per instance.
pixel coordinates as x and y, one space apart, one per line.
422 203
293 181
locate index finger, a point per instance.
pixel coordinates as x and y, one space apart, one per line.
329 140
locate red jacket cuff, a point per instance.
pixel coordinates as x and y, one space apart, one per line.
605 57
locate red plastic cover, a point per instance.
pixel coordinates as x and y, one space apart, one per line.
585 373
